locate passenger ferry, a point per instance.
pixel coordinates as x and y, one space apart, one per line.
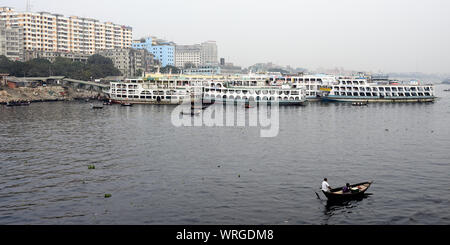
253 89
316 86
177 89
156 90
360 89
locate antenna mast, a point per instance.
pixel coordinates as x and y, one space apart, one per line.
28 6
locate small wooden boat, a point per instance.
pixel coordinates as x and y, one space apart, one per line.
356 191
97 106
27 103
192 113
199 107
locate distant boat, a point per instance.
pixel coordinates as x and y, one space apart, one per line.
192 113
447 90
356 191
126 104
107 103
199 107
27 103
97 106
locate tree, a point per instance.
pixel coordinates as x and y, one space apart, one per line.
189 65
96 67
170 69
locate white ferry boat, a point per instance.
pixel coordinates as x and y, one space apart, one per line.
253 89
316 86
156 90
354 89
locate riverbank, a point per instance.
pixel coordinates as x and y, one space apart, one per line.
43 94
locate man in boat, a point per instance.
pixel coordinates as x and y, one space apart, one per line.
346 188
325 186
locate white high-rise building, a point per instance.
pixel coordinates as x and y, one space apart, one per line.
198 54
209 53
55 33
188 54
11 42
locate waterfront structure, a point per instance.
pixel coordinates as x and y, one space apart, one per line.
11 41
56 33
360 89
162 50
204 54
229 68
131 62
203 69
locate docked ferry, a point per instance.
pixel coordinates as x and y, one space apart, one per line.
316 86
253 89
208 89
354 89
156 90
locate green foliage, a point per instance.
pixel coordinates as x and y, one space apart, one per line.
96 67
170 69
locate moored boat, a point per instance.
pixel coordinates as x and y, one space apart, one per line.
20 103
361 89
356 191
97 106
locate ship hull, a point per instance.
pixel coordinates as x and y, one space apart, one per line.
281 102
331 98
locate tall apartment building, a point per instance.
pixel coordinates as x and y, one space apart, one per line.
209 53
130 61
55 33
188 54
204 54
163 51
11 41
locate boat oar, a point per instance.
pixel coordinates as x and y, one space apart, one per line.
318 197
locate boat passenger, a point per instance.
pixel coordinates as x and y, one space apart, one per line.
346 188
325 186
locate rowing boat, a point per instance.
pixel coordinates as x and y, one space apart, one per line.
356 191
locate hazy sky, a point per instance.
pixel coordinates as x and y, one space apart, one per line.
370 35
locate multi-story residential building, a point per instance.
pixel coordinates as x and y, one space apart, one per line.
188 54
55 33
51 56
163 51
209 53
204 54
131 62
11 41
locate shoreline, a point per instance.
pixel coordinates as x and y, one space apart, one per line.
46 94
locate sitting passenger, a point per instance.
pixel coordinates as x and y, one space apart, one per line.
346 188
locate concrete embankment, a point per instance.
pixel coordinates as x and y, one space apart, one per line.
41 94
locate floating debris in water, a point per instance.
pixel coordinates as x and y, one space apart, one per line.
107 195
386 130
239 176
91 167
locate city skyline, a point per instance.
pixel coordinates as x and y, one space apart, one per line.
400 36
